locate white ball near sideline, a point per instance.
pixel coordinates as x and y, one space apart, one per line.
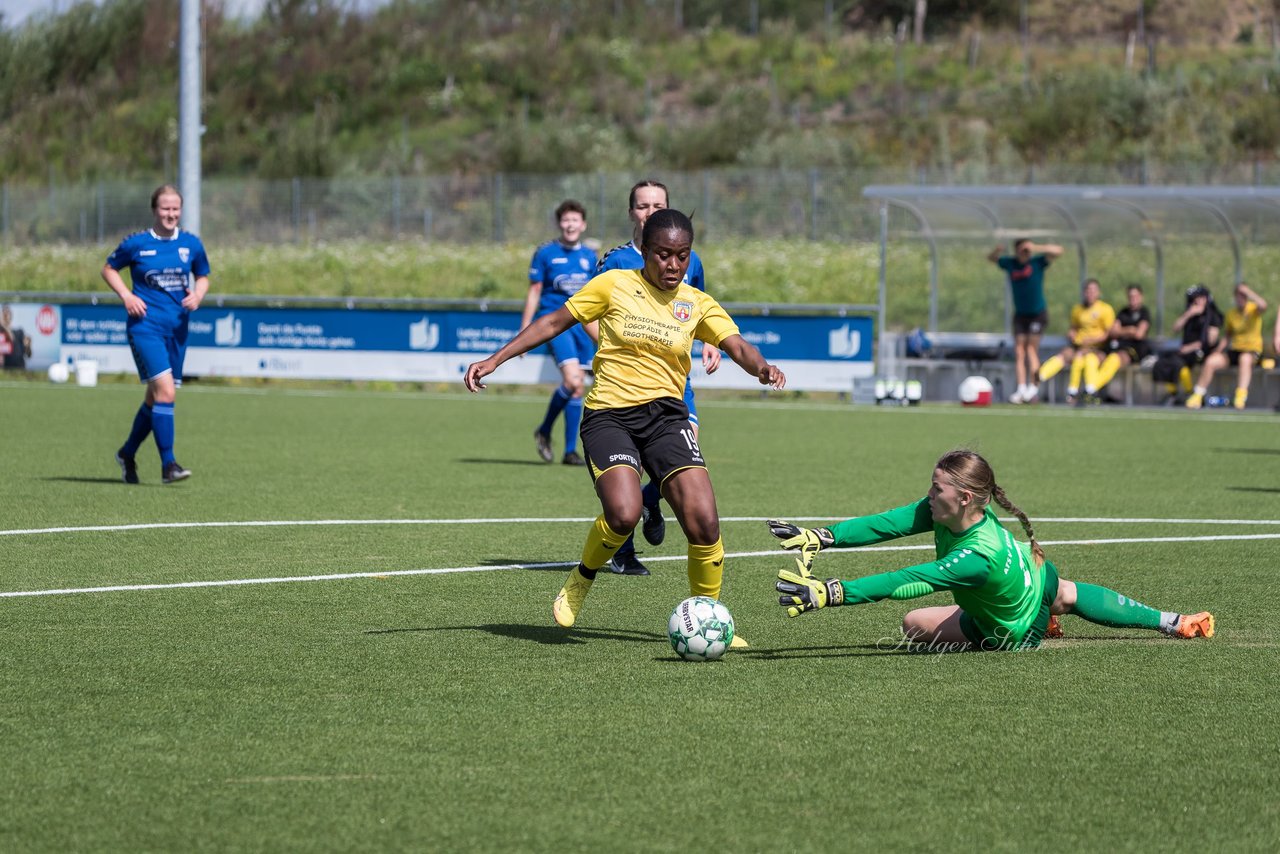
976 391
58 373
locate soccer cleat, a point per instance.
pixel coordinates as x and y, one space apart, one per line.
569 601
1194 626
128 467
543 443
1032 395
1054 629
1017 396
1195 401
174 472
1073 400
627 564
573 458
655 527
739 642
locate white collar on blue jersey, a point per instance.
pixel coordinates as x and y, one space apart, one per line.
173 236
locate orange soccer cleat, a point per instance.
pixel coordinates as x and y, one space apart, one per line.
1054 629
1195 626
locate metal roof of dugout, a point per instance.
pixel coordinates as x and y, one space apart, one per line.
1074 215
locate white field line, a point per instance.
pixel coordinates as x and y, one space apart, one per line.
238 582
303 523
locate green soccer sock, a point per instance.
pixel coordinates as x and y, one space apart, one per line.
1109 608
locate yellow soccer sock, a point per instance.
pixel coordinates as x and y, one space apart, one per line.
1242 397
1091 373
706 568
1184 378
1050 368
1077 368
1107 371
602 542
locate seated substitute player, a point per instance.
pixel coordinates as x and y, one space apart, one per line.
1004 589
1201 328
558 270
170 276
1090 323
1242 348
635 418
1127 338
645 198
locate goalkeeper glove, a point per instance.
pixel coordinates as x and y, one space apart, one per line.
802 592
809 541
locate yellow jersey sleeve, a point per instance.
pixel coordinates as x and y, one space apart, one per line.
646 336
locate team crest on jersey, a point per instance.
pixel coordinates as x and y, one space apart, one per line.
584 263
682 310
184 253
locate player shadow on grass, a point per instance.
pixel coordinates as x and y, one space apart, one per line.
503 461
1265 451
892 646
529 566
1270 489
69 479
549 635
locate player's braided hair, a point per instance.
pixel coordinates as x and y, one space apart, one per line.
970 472
666 219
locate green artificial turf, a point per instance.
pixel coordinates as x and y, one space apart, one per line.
446 711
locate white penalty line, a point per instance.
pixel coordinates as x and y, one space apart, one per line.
341 576
302 523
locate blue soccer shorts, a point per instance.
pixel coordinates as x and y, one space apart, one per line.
573 345
156 355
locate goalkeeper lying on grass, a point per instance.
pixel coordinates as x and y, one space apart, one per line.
1006 593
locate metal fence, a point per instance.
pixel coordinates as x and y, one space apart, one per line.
816 204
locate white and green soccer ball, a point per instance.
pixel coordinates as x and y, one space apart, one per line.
700 629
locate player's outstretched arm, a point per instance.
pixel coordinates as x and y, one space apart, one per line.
747 357
539 332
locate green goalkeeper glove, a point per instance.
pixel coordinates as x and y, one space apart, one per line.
809 541
804 593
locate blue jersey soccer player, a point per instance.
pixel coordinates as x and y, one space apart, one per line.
645 198
169 273
558 271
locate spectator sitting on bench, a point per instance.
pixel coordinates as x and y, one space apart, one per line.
1026 268
1127 342
1241 347
1201 327
1090 323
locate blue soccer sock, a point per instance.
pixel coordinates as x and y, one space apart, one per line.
162 424
141 430
572 421
559 400
650 495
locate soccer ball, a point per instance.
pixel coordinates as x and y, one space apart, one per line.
700 629
976 391
58 373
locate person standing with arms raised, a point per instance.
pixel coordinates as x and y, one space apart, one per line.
1025 268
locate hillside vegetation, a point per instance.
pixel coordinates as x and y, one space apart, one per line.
416 87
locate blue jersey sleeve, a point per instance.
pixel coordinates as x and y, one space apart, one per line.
199 260
1007 262
695 275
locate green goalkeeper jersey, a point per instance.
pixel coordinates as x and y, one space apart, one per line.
992 576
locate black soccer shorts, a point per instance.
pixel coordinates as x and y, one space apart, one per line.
655 437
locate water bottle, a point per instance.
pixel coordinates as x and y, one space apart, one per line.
1216 401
